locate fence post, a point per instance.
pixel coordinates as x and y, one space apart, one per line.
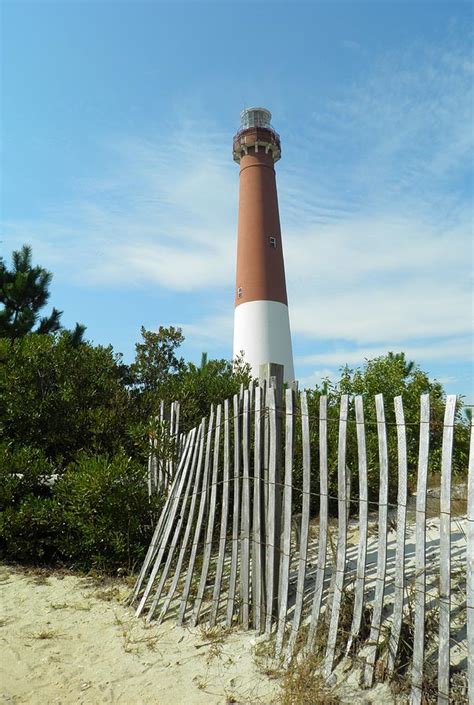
258 582
235 511
381 544
420 554
272 374
245 515
470 569
445 551
323 522
286 533
363 526
341 537
401 531
305 507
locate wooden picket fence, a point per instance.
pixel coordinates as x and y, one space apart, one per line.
229 547
162 465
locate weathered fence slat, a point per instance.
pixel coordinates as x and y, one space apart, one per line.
177 531
152 467
305 506
286 531
189 525
470 569
245 515
445 551
260 556
210 522
341 538
224 513
169 522
363 526
382 543
236 513
399 579
155 541
323 522
420 554
270 534
161 470
199 521
258 516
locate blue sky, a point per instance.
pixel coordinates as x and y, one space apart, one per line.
117 126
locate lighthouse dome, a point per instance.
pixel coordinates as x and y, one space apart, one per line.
255 117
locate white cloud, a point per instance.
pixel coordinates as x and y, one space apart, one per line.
452 350
315 378
377 220
209 330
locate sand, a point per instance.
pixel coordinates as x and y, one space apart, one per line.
65 639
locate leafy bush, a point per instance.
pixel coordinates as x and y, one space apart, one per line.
97 515
107 515
62 398
29 530
23 471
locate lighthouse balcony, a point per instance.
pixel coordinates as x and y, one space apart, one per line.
256 137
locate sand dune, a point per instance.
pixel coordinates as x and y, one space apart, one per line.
64 639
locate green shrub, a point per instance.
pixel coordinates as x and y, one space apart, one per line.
61 398
97 514
29 531
23 471
107 517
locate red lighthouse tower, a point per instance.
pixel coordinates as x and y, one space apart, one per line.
261 321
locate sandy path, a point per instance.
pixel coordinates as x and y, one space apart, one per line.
64 640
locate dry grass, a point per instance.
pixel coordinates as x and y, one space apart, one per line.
45 634
264 658
67 606
133 643
109 594
302 684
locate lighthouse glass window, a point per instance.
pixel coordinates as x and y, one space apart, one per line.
273 242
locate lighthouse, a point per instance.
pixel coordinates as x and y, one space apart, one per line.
261 320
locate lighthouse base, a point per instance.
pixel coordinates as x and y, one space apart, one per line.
262 333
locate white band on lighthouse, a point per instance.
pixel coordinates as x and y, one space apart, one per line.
262 331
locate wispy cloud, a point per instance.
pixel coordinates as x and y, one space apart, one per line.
376 217
454 349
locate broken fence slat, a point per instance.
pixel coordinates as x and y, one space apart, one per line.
188 530
199 521
210 522
155 541
168 526
177 530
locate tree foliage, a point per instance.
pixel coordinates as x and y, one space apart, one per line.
391 375
24 291
74 411
62 398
